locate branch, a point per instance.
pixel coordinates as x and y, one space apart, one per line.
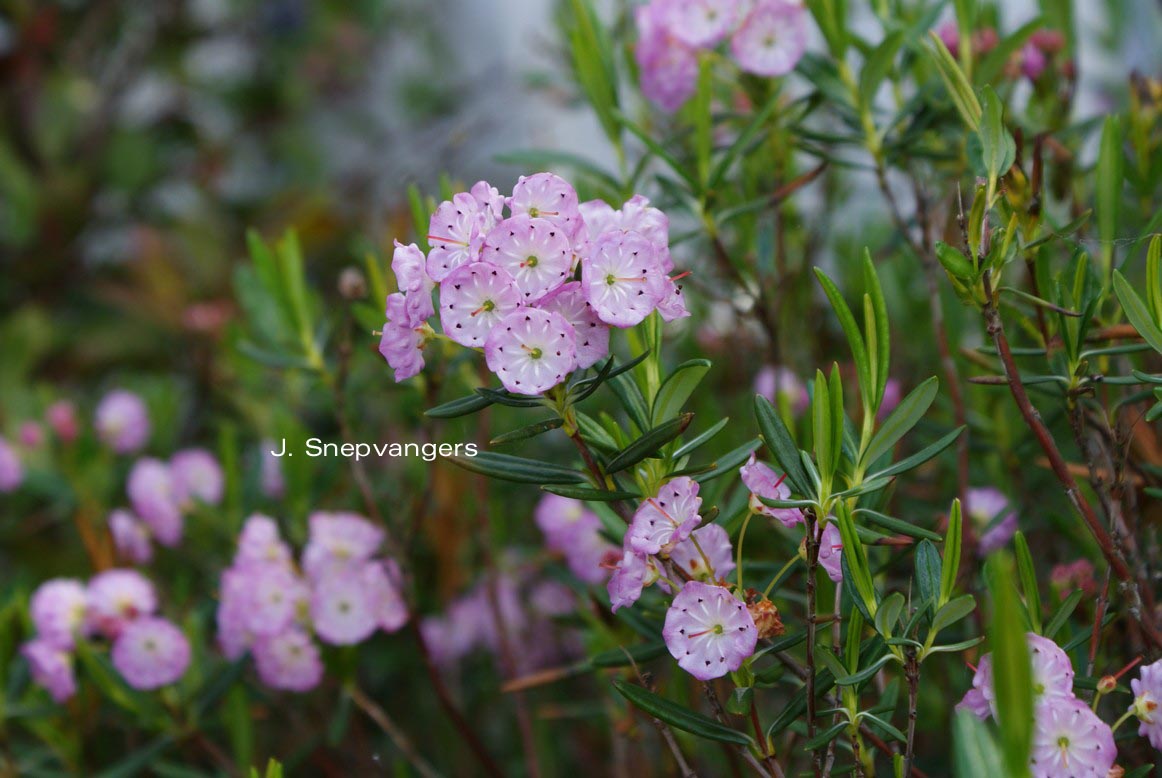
393 731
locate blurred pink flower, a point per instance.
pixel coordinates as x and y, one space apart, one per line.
122 421
150 653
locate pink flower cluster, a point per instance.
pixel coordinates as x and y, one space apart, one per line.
119 605
340 592
1068 738
161 494
574 532
767 38
994 517
514 608
1032 60
535 279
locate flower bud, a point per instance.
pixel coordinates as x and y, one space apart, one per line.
352 285
1107 684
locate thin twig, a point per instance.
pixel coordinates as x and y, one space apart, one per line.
393 731
748 757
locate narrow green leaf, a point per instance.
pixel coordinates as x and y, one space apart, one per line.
888 614
461 407
825 737
821 428
854 338
623 657
877 66
974 750
517 469
902 419
959 89
1028 575
649 443
701 439
729 462
898 526
590 493
677 388
1137 312
855 557
678 716
1012 668
1062 614
883 345
782 446
953 611
920 457
951 566
529 431
928 572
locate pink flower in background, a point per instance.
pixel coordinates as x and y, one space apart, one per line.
197 476
155 499
949 35
1052 677
51 667
475 298
11 470
62 419
700 23
260 543
668 67
289 661
665 520
339 539
993 516
893 392
764 482
1078 574
411 274
709 631
381 580
233 616
401 343
1147 688
1033 61
131 537
777 383
31 434
122 421
574 531
151 653
550 197
531 350
58 608
772 39
591 335
709 544
273 595
342 611
831 552
271 478
118 597
1070 740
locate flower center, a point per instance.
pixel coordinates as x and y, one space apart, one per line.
718 629
534 212
530 261
485 307
534 353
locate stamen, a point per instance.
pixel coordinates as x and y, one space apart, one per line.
447 240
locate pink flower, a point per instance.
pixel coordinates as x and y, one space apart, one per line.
780 384
620 278
339 539
273 484
233 616
1033 61
762 481
773 38
197 476
550 197
893 391
408 264
637 215
712 546
992 514
700 23
1077 574
11 470
342 609
122 421
62 418
260 543
1052 677
831 552
490 201
664 521
1070 740
401 343
151 653
118 597
1147 689
131 537
273 595
575 532
668 67
531 350
535 252
154 498
51 667
289 661
630 576
709 631
455 234
31 434
592 334
949 36
58 609
382 582
473 299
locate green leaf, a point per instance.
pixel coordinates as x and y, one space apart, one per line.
974 750
996 144
589 493
856 560
928 567
677 388
649 443
782 446
825 737
1062 614
880 354
821 425
953 611
1137 312
919 458
957 84
877 66
885 726
1154 278
1028 575
524 433
954 261
623 657
1012 668
703 117
678 716
888 614
701 439
1109 189
729 462
631 399
593 64
898 526
901 420
138 760
851 330
952 542
517 469
461 407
